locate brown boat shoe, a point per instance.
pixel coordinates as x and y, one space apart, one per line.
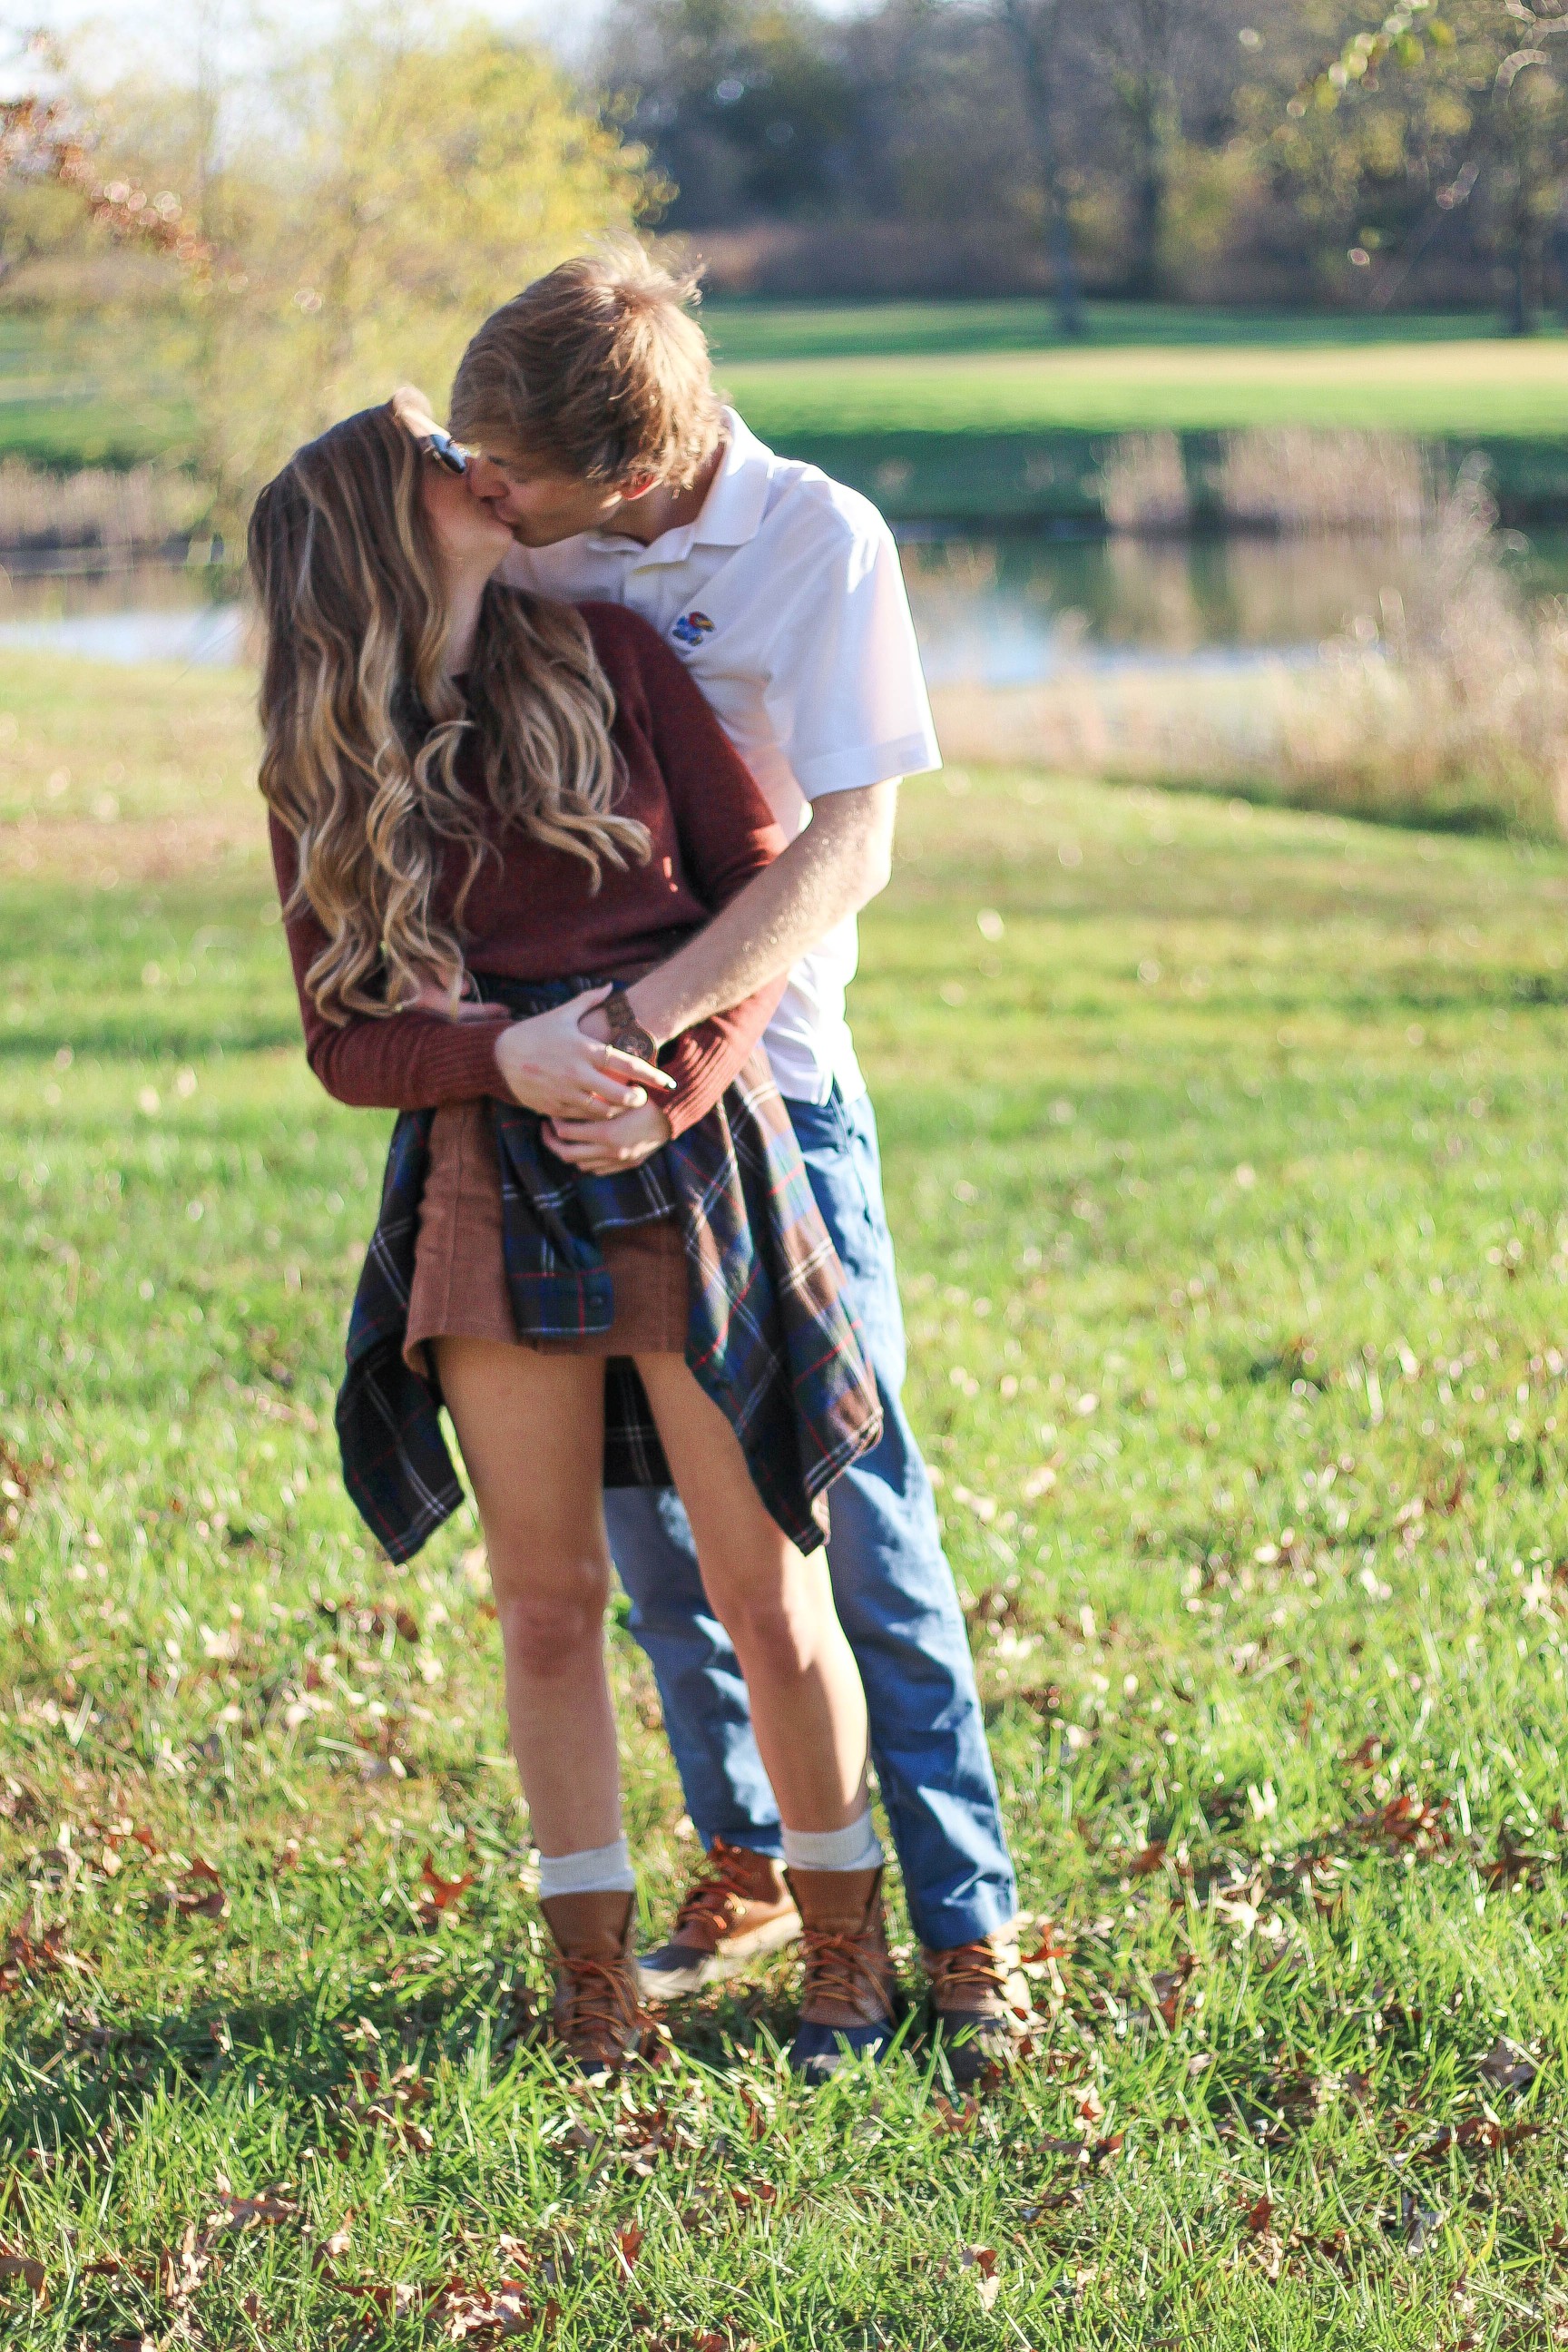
980 2005
847 1995
599 2021
736 1909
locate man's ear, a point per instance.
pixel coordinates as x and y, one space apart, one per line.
638 488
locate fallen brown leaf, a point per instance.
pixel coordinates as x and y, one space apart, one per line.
1507 2067
441 1894
45 1955
264 2210
955 2119
31 2274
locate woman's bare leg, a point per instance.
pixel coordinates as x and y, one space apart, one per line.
530 1427
776 1605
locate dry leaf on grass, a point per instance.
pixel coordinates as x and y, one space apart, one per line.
982 2260
950 2119
441 1894
1507 2067
386 2107
264 2210
200 1896
484 2314
23 2267
45 1955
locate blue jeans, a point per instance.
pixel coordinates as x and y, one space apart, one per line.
895 1596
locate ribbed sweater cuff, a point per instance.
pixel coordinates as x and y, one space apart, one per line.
460 1060
703 1065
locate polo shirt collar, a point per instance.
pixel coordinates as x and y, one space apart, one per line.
731 512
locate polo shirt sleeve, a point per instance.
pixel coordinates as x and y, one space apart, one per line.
845 695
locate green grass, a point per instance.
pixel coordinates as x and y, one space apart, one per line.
740 329
1224 1154
71 397
1495 388
979 412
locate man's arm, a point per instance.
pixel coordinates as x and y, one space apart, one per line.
828 873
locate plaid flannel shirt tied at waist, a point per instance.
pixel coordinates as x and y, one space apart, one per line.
769 1337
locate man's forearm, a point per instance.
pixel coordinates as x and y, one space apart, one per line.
827 874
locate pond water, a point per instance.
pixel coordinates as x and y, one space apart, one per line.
1016 611
1003 611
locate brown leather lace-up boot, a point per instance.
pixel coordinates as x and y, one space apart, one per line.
599 2021
980 2006
847 1999
735 1910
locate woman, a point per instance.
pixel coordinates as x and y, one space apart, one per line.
485 809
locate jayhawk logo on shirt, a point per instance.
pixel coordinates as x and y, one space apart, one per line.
691 628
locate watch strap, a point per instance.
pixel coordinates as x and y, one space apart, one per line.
627 1031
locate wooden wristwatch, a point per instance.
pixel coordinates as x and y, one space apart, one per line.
627 1031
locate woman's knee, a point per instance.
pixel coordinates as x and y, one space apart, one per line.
550 1611
785 1623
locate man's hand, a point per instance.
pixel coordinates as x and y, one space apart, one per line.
827 874
548 1065
609 1147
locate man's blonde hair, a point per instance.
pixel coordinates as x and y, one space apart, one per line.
598 371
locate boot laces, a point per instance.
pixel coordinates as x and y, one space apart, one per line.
603 2006
841 1968
969 1969
718 1895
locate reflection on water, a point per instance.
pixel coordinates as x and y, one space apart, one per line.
1015 612
989 612
154 612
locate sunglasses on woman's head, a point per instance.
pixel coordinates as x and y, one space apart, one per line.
449 455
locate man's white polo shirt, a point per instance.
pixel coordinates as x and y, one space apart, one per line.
785 600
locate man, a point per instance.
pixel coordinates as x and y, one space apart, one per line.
606 450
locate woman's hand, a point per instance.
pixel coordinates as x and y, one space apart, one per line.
609 1147
548 1065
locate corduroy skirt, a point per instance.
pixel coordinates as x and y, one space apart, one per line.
459 1289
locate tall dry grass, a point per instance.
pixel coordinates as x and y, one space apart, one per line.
1287 480
1297 482
95 507
1144 486
1446 706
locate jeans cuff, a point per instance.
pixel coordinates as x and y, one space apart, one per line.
755 1840
963 1922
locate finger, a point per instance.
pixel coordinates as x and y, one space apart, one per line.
612 1097
577 1155
628 1066
589 998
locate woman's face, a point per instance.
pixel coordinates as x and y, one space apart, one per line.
470 536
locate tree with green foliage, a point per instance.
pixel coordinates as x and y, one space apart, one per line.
1465 104
358 212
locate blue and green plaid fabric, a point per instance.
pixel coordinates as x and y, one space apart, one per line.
769 1337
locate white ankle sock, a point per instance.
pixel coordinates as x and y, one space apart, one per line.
856 1848
596 1870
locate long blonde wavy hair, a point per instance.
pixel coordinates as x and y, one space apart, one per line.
363 728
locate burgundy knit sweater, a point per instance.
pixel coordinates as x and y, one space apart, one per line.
532 916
